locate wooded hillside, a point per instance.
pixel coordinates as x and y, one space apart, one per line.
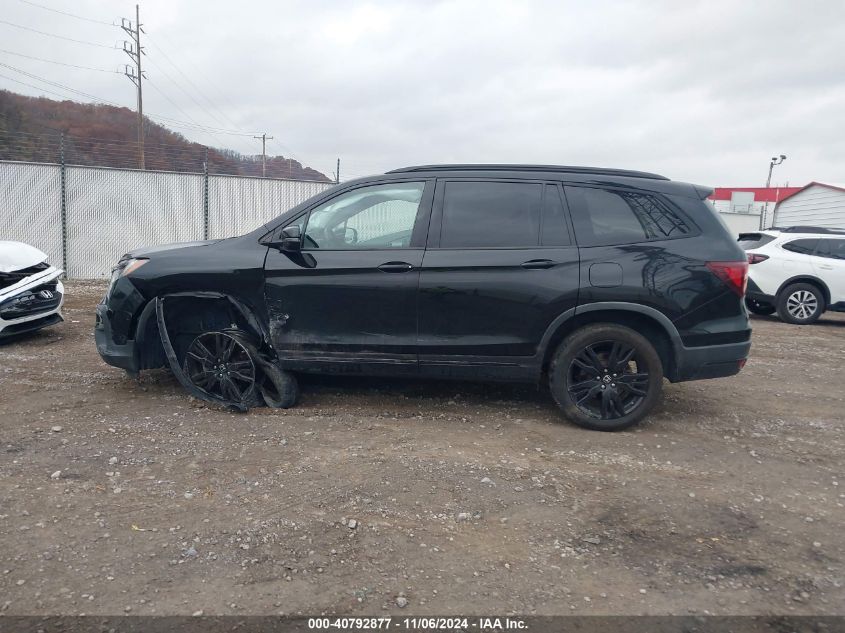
103 135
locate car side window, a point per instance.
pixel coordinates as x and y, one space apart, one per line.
802 247
605 216
479 214
832 249
373 217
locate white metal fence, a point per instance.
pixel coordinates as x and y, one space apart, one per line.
85 218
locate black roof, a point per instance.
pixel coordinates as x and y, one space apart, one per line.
806 229
604 171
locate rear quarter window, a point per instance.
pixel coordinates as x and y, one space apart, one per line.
749 241
604 217
802 247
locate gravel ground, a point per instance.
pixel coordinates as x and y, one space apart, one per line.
375 496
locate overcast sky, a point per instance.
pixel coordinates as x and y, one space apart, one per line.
699 91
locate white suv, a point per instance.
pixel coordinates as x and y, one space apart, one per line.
798 272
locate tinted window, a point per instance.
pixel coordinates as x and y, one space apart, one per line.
834 249
554 230
380 216
491 214
603 216
803 247
748 241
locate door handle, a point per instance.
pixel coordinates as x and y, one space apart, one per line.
826 267
395 267
538 264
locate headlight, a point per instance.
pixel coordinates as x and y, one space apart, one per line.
131 265
125 266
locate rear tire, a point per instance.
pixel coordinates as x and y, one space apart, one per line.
606 377
759 307
800 304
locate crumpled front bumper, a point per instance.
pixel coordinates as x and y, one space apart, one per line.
115 354
32 303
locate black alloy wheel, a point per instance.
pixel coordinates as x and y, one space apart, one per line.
605 380
606 377
220 364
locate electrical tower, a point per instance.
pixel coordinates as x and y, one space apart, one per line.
264 139
135 74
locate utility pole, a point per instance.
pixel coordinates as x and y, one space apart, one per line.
337 173
264 138
135 73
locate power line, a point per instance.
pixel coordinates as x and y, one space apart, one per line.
72 15
188 79
223 119
23 83
176 122
58 85
61 37
51 61
175 105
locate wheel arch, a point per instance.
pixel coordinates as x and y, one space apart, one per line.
208 316
806 279
648 321
200 306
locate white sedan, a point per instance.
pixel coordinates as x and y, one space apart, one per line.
31 294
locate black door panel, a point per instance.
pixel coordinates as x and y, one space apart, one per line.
344 304
490 302
348 300
485 303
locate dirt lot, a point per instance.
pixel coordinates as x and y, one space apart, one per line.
468 498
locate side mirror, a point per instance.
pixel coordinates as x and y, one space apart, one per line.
290 240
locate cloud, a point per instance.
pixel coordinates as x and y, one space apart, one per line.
700 91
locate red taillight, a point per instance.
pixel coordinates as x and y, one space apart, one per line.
754 258
733 274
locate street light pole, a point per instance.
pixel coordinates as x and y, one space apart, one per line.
776 160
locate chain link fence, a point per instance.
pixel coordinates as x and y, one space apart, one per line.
85 218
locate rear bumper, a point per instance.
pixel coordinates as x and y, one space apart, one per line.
711 361
754 292
116 355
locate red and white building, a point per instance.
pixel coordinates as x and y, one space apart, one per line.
749 208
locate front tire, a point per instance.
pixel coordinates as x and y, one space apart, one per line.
224 366
606 377
278 387
800 304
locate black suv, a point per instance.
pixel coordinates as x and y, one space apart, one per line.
599 281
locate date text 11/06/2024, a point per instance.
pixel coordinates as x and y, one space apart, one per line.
421 623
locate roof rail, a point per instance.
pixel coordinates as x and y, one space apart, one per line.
806 229
603 171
